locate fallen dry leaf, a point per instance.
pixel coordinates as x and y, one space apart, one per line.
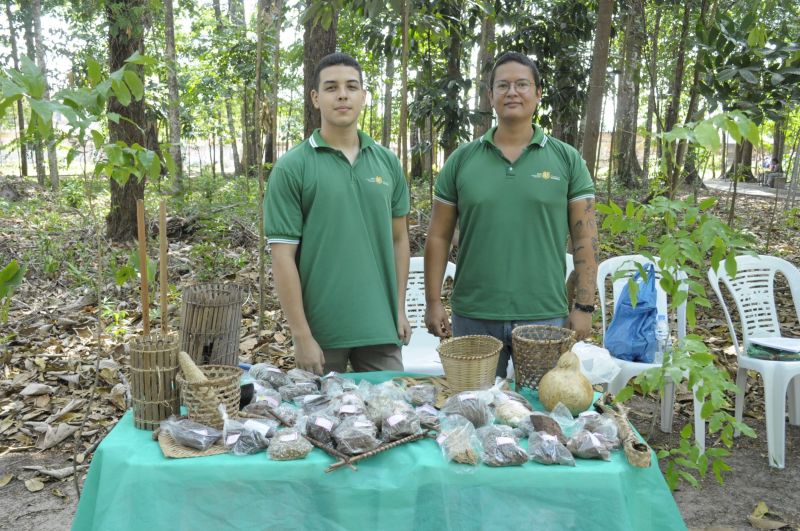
34 485
57 492
761 518
56 435
6 479
35 389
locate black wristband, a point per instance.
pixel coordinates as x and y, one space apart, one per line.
588 308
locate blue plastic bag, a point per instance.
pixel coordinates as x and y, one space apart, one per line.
631 335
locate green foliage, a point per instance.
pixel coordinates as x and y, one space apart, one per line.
10 278
685 238
130 271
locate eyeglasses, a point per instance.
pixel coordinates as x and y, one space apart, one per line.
522 86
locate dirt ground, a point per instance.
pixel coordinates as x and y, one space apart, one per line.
712 506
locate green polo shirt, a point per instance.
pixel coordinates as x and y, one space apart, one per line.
513 222
341 217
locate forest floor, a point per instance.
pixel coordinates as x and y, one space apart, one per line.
50 340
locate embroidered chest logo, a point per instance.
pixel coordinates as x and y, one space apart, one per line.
378 180
546 176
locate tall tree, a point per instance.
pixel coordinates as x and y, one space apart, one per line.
174 102
23 151
451 126
125 36
38 148
651 98
671 118
386 127
403 144
274 27
237 163
485 60
597 84
52 159
627 167
319 40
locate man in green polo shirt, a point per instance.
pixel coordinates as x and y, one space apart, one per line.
516 195
335 218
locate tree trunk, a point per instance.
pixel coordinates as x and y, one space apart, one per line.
174 102
23 150
628 170
417 145
651 99
597 83
675 97
691 115
403 144
386 127
125 36
485 61
38 148
274 25
778 140
317 43
52 158
451 119
221 147
237 163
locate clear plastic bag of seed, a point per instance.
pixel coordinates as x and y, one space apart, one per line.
190 433
289 444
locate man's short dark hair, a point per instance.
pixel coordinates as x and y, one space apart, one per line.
335 59
516 57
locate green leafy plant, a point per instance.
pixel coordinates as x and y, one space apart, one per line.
10 278
680 236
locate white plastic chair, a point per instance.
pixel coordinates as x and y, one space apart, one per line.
753 291
420 354
630 369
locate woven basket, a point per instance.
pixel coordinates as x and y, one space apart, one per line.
202 400
536 349
470 362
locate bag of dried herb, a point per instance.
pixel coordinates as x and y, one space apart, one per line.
510 408
289 444
266 372
428 416
319 426
348 404
547 450
458 441
332 384
190 433
356 435
249 436
401 422
421 394
472 405
313 403
603 426
299 375
587 445
500 447
294 390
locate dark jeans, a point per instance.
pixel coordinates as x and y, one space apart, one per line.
466 326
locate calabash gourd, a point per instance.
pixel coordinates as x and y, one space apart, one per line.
566 383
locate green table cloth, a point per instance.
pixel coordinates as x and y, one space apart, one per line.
131 485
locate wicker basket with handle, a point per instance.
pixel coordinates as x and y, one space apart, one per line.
202 400
536 349
470 362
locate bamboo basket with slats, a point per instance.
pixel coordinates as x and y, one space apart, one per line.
154 392
470 362
211 319
202 399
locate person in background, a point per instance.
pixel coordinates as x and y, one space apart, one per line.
335 217
516 194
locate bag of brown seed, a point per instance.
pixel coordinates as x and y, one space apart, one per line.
421 394
319 426
289 444
472 405
266 372
356 435
500 446
547 450
401 422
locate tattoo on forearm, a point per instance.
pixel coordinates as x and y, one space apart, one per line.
589 206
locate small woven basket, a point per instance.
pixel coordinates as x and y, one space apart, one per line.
470 362
536 349
202 400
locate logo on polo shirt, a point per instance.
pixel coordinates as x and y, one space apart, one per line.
378 180
546 176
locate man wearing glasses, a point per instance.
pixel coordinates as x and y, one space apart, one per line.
516 195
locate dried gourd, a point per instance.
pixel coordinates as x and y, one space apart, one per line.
566 383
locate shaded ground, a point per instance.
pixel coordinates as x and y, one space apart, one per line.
50 343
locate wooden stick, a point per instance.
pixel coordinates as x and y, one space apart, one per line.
336 454
636 452
376 451
143 266
162 260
